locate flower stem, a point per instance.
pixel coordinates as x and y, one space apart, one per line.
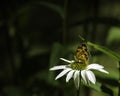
119 79
78 91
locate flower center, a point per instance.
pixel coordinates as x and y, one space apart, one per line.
79 65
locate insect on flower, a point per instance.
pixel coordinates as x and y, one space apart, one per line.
82 54
79 67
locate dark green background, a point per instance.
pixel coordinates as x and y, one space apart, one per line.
34 34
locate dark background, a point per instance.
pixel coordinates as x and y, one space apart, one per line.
34 34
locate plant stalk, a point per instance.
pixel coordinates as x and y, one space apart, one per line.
119 79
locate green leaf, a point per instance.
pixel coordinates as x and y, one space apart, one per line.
105 50
114 75
107 90
96 86
114 35
100 88
54 7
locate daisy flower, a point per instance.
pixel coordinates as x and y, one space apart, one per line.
78 69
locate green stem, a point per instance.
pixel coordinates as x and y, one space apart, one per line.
119 80
78 92
65 21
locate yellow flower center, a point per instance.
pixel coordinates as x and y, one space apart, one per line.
79 65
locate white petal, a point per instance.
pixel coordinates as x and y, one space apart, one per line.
63 73
94 66
83 74
68 61
75 74
77 79
91 76
58 67
104 71
69 75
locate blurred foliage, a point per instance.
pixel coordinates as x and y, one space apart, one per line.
114 35
34 34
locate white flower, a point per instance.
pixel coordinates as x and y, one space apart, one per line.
75 69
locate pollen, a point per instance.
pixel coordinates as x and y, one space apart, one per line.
79 65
